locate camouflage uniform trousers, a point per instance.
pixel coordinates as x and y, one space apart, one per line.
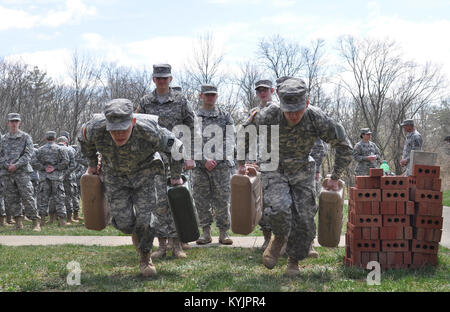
69 191
163 220
211 193
264 222
75 197
291 207
18 191
2 203
131 200
51 191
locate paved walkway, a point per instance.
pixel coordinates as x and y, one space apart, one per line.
241 241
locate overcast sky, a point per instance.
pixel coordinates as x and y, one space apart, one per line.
141 33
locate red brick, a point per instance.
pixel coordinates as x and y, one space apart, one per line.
395 195
365 258
407 258
382 258
395 258
376 208
361 208
426 183
429 209
366 233
395 220
424 247
367 220
394 183
419 234
427 196
401 208
366 182
366 245
388 208
427 222
366 195
427 171
437 185
412 181
395 233
419 260
395 245
437 236
374 233
376 172
410 208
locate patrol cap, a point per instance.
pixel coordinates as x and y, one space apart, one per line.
176 89
208 89
64 134
50 135
292 95
280 80
162 70
366 131
118 113
62 139
14 116
263 83
407 122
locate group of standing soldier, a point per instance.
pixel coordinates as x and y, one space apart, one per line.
36 182
138 142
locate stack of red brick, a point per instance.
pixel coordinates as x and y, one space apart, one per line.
425 191
391 223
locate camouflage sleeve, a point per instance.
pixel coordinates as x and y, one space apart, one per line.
88 148
25 158
72 163
167 143
318 153
189 119
357 154
64 160
332 132
140 107
3 163
35 162
416 142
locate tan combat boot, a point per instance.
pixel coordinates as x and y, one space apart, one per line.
36 227
62 221
52 218
9 220
177 251
185 246
292 269
135 240
267 236
205 238
146 265
312 253
224 239
19 224
2 221
272 252
76 216
162 248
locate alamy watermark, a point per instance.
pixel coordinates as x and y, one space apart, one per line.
74 276
229 145
374 276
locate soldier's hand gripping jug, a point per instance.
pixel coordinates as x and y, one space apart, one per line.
331 206
183 211
94 203
246 201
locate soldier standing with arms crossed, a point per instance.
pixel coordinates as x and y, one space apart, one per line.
290 196
172 109
128 144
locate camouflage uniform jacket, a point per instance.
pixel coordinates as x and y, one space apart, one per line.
18 150
174 111
295 143
318 152
69 172
222 119
360 153
54 155
413 143
138 154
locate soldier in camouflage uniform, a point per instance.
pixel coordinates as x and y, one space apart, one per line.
211 177
35 174
129 144
172 109
365 153
82 165
264 91
16 151
413 142
290 194
52 161
69 180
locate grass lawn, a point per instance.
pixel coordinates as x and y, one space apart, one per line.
446 198
43 268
